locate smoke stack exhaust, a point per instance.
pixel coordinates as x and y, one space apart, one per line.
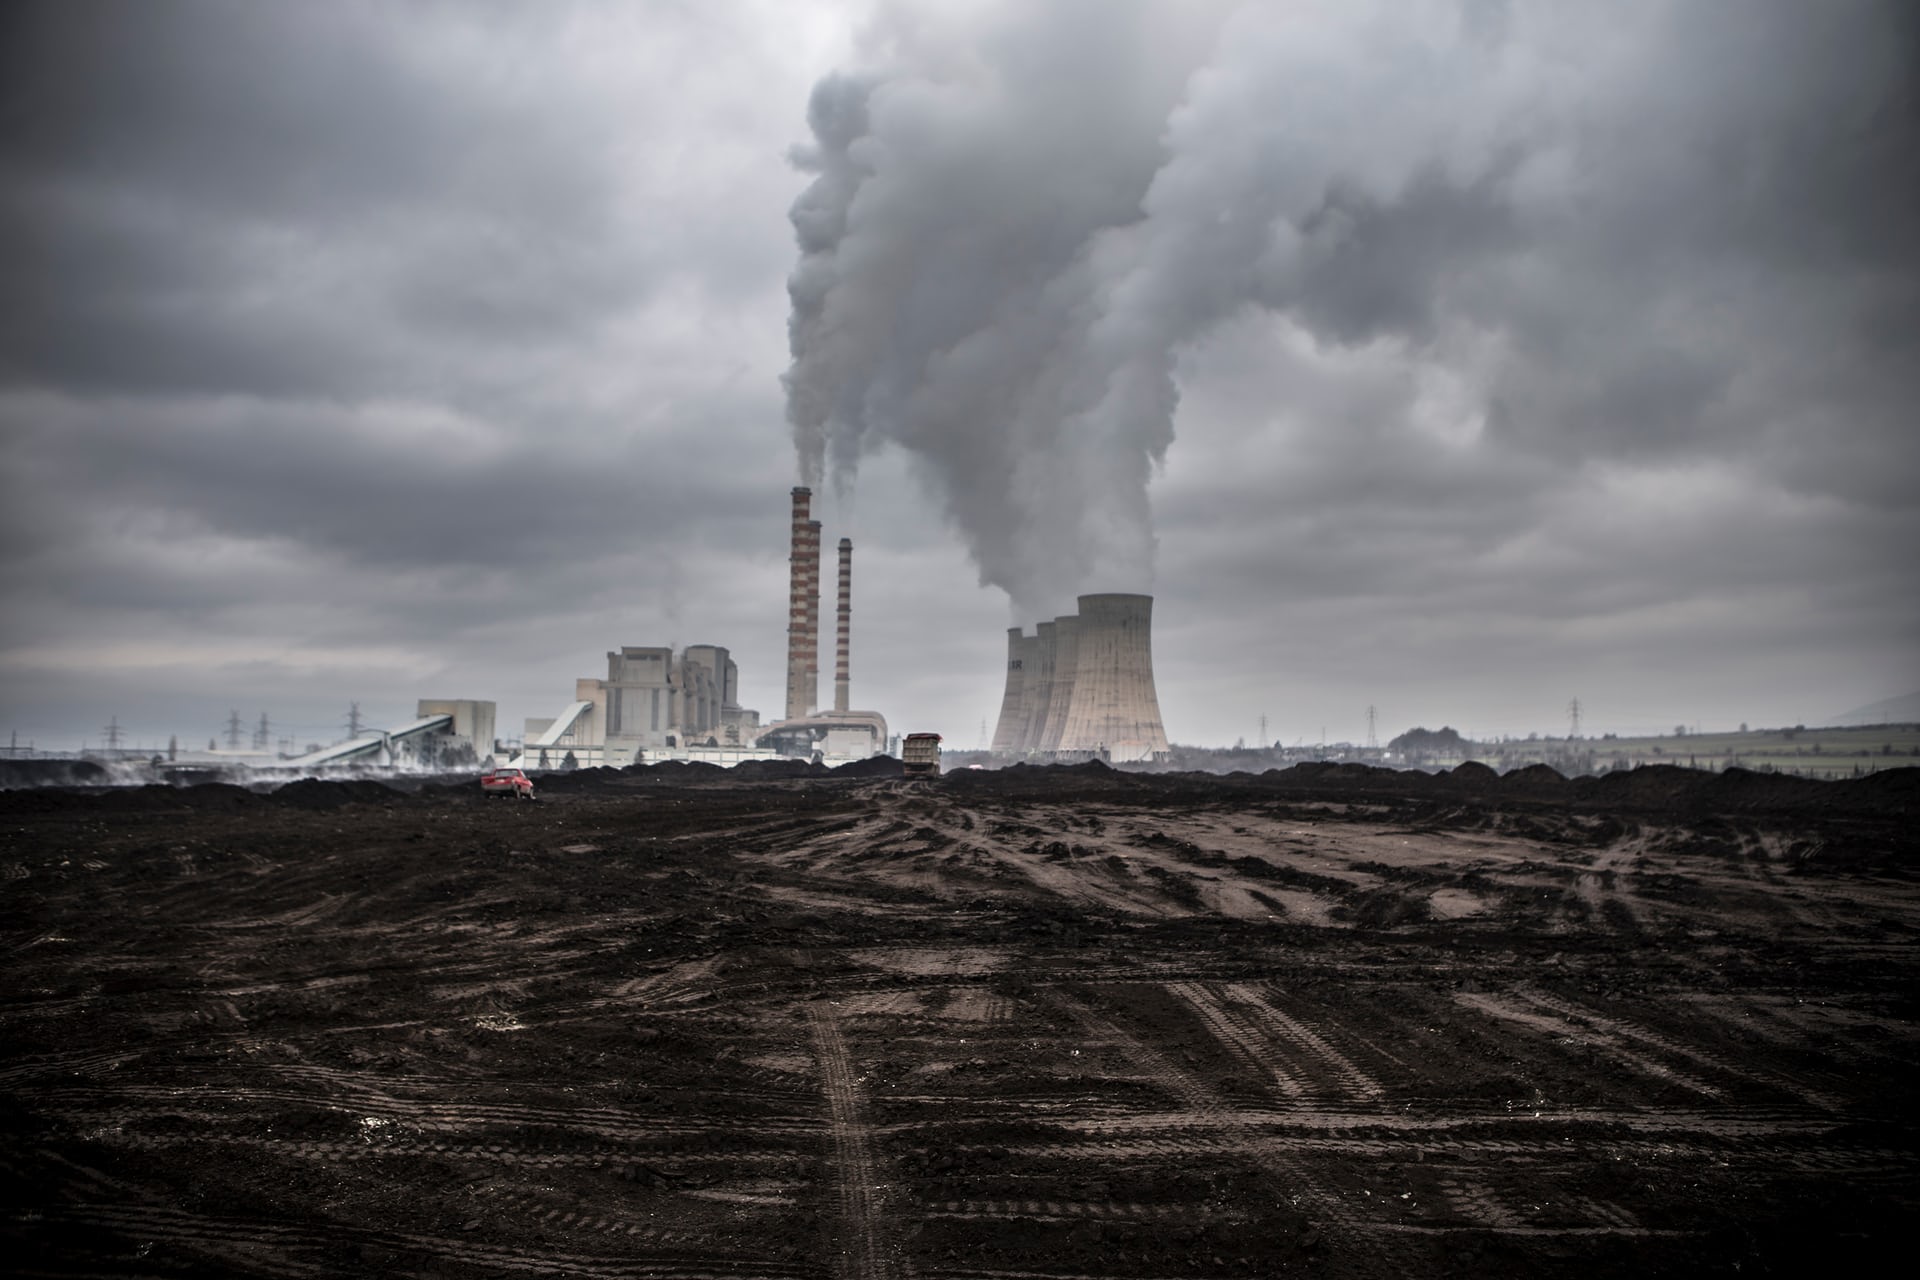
843 641
803 609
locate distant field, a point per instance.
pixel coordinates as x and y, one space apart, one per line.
1815 752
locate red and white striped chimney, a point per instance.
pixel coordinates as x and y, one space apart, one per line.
803 609
843 642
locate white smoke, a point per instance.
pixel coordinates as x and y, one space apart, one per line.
1021 216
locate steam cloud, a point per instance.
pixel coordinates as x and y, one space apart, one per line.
1022 216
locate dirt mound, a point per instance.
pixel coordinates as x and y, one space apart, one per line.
1474 776
600 777
217 797
51 773
312 793
871 767
1535 782
754 770
1048 779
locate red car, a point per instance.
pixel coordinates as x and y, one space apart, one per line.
506 782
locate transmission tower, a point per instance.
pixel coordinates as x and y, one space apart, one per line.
1573 718
1373 739
233 731
113 734
353 720
1263 731
262 737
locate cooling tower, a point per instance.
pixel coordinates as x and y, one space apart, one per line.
803 610
1006 731
1066 652
1113 705
1037 694
843 636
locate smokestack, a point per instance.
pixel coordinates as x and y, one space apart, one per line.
1006 731
803 609
844 615
1114 704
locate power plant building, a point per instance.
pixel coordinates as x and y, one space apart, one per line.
1082 685
653 702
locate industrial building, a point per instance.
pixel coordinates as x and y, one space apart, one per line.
652 704
655 704
1082 687
445 733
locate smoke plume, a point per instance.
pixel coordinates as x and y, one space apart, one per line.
1021 217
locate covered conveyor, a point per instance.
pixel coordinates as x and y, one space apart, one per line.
372 744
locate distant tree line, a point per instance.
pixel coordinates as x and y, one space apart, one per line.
1430 742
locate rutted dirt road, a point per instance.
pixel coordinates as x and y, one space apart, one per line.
1036 1024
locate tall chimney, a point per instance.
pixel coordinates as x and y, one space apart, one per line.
843 642
1113 704
803 609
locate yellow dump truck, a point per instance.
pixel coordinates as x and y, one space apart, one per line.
920 755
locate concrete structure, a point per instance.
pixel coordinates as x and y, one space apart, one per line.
806 730
652 703
1082 686
843 633
803 609
446 733
1066 654
1006 730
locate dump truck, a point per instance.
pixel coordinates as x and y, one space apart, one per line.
920 755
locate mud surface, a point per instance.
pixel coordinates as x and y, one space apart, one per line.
1049 1023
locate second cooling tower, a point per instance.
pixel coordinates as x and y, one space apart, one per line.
1083 685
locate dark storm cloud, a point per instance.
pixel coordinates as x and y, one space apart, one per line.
386 342
356 328
1647 237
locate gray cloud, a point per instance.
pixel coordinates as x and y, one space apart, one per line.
1580 257
1514 350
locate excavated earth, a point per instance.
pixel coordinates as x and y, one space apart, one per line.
1034 1023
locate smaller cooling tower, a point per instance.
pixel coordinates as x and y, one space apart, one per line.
1006 731
1113 705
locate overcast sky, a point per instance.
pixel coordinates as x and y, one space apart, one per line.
1458 359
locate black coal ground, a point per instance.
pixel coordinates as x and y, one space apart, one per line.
1033 1023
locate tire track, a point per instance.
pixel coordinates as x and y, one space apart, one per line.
1353 1081
1654 1040
1198 1100
1556 1030
866 1251
255 1246
1234 1037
